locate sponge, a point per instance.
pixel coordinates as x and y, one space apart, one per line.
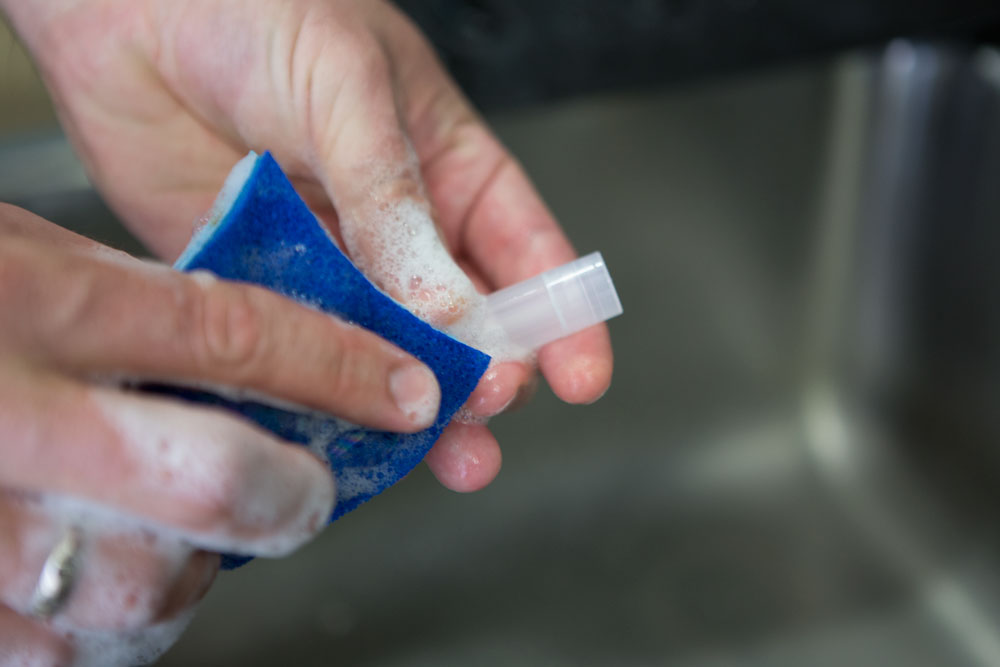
269 237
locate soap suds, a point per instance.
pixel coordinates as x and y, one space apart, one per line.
214 459
400 250
398 247
96 648
466 416
414 266
107 648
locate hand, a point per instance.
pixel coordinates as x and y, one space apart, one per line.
158 484
162 97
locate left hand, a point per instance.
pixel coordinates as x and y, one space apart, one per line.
162 97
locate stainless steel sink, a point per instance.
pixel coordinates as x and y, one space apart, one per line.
798 462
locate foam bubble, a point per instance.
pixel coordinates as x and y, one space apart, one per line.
95 648
24 656
202 453
397 245
400 250
106 648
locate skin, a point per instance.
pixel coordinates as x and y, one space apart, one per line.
161 98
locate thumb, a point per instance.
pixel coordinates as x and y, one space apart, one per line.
323 99
373 176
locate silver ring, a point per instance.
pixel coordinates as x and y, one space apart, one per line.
58 575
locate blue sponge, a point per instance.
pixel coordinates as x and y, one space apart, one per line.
270 238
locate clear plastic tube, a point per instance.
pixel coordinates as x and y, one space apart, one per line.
556 303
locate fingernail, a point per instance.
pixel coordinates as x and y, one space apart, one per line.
416 392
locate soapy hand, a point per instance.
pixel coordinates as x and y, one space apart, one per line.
162 97
157 486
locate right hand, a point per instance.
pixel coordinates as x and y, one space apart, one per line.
187 481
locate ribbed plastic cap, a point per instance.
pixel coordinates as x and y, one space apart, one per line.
557 303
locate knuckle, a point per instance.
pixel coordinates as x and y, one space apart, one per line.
351 369
215 494
211 504
365 67
365 50
232 328
199 471
371 62
331 49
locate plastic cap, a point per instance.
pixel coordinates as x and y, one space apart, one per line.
557 303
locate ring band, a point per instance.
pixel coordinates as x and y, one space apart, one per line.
58 575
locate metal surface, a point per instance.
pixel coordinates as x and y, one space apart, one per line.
797 462
509 53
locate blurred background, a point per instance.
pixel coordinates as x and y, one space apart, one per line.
798 462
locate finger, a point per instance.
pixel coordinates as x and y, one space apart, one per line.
19 223
488 208
387 224
498 388
126 578
466 457
27 643
333 117
510 236
81 313
579 368
130 580
491 214
371 173
191 585
217 481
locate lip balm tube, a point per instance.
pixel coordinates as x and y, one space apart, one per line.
556 303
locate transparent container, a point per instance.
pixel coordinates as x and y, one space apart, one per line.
557 303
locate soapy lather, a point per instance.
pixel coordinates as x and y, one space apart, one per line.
260 231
